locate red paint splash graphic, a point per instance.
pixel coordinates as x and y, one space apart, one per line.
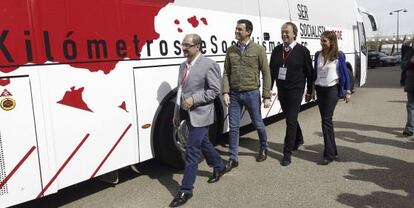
123 106
176 21
204 20
4 82
92 34
73 98
193 21
180 30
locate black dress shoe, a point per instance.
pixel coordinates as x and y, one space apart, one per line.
262 156
286 161
216 175
231 164
407 133
180 199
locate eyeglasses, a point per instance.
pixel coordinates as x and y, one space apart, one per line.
186 45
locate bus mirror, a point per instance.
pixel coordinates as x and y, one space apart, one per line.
373 24
370 17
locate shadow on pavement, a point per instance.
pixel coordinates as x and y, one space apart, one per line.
392 174
376 200
397 101
368 127
389 173
350 136
75 192
152 168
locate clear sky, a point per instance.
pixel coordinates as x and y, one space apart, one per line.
386 23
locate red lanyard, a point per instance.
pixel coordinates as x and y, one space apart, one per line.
285 57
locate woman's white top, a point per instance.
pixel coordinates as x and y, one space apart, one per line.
327 73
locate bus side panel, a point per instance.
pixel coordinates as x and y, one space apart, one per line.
90 109
19 160
99 107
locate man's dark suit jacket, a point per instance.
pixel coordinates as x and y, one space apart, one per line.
299 68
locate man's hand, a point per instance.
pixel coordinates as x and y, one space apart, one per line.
226 99
188 103
412 59
267 102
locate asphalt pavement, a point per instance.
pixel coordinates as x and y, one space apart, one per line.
375 168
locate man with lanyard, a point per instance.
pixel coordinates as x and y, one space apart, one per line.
241 81
291 67
199 84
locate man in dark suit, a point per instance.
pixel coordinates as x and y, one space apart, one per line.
406 46
291 67
407 65
199 83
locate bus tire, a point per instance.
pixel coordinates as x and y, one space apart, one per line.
166 147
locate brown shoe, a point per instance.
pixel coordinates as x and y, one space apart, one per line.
262 156
231 164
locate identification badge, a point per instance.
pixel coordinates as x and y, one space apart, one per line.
323 74
282 73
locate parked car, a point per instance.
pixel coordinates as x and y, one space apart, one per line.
373 59
397 55
386 60
381 59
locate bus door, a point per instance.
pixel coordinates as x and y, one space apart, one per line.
361 53
19 162
364 53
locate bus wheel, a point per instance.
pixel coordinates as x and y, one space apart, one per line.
170 141
165 147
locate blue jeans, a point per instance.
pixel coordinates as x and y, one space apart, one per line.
251 100
410 112
198 141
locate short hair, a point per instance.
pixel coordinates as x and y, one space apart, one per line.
333 51
294 27
249 25
196 39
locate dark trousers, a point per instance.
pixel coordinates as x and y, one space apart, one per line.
290 100
327 99
198 141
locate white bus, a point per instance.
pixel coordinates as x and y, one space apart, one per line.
87 87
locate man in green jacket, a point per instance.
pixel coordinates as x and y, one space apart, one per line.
241 81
